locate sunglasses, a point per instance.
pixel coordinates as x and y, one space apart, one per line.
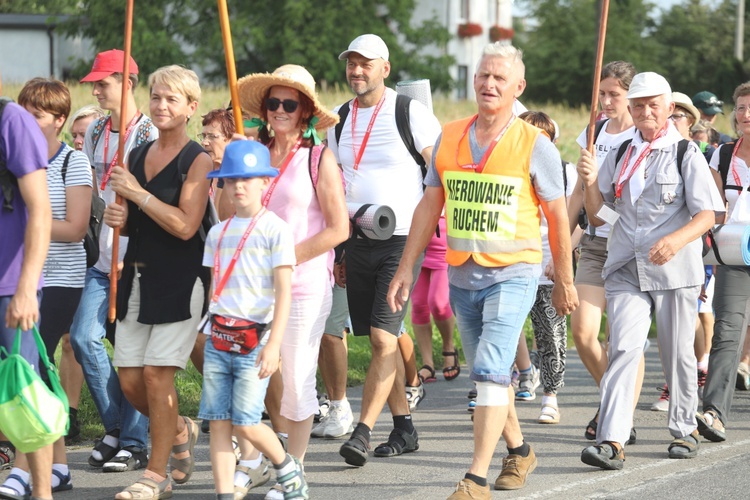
290 106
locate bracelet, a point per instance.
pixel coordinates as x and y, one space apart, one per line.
145 202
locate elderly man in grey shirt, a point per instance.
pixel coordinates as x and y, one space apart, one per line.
658 209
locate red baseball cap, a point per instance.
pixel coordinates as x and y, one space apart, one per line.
109 62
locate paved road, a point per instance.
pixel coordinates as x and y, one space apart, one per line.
721 471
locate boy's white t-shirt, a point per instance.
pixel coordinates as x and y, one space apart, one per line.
603 144
249 292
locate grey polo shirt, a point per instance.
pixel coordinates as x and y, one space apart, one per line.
668 202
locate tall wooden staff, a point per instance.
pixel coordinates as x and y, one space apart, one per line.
226 38
120 154
597 74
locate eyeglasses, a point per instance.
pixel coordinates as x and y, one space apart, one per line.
290 106
741 110
678 116
209 137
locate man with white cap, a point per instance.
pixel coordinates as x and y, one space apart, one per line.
658 207
379 169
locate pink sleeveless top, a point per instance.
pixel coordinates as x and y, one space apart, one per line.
295 201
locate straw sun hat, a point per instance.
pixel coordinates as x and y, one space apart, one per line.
253 88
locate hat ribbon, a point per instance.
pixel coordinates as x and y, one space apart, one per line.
254 123
311 133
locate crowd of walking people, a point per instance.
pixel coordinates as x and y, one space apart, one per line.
239 253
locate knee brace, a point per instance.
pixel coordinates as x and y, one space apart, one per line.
492 394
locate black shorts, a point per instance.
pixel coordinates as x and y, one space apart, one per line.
370 266
59 305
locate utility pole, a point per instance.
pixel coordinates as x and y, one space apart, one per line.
739 36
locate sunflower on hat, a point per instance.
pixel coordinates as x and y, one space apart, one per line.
254 89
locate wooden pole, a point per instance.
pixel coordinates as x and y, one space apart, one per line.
597 74
226 38
120 154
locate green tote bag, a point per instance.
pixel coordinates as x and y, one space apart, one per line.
31 415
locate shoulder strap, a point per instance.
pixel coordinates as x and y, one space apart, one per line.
565 177
404 130
64 169
143 132
313 163
621 150
343 113
681 149
98 129
725 161
184 161
598 127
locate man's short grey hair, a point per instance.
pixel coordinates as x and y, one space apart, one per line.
502 50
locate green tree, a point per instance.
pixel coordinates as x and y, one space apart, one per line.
55 7
696 44
561 47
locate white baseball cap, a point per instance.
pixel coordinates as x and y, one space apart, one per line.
370 46
648 84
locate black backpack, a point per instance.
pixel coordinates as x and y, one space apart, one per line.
91 240
8 181
725 161
681 149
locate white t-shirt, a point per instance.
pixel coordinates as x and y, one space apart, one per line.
603 144
65 265
249 293
571 178
742 170
387 173
96 158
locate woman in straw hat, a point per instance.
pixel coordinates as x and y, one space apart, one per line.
308 194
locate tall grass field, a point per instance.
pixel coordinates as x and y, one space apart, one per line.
571 122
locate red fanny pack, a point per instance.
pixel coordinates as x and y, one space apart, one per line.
235 335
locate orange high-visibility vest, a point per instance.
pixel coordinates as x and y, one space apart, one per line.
492 216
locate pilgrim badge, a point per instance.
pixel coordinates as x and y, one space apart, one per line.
669 197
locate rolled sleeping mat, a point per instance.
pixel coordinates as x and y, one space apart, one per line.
729 244
376 222
416 89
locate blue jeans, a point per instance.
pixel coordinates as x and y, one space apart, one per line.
490 321
86 335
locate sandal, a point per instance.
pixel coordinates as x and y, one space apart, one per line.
455 368
66 481
146 489
632 437
185 465
429 378
20 495
605 456
106 451
686 447
709 426
399 442
550 415
590 432
355 451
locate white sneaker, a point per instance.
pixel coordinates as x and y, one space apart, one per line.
339 421
415 395
527 385
662 404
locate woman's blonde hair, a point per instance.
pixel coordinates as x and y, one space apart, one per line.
177 79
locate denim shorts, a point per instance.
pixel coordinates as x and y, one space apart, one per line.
490 322
231 387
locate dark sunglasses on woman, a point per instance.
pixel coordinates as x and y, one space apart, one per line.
290 106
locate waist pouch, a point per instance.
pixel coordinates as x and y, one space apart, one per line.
235 335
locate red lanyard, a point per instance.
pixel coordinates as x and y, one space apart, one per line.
480 167
735 174
107 130
219 284
355 108
282 169
622 179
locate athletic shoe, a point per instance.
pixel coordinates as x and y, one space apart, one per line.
702 374
337 423
293 483
324 406
128 458
527 385
7 455
663 402
743 377
415 395
205 426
